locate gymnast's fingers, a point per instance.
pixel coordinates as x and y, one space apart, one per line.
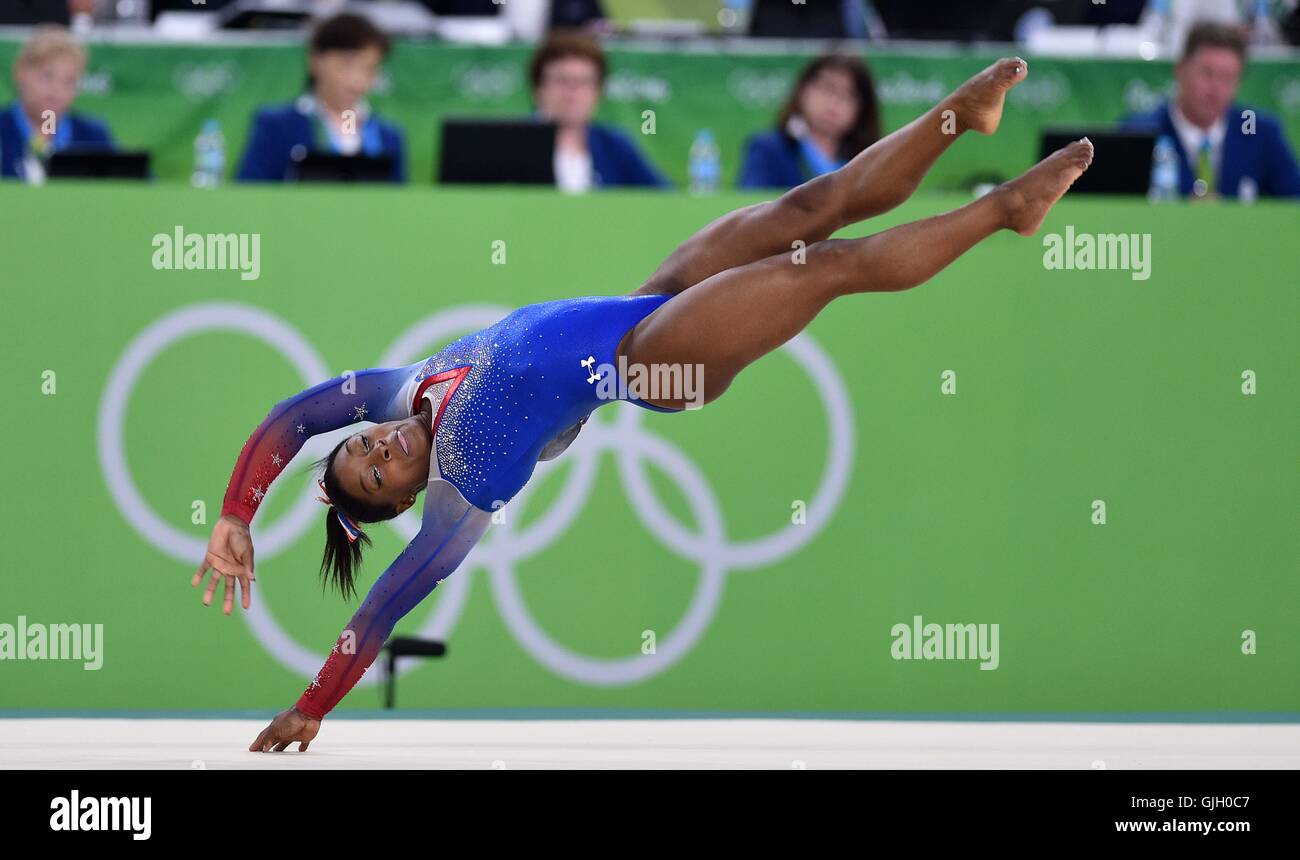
212 586
217 566
248 562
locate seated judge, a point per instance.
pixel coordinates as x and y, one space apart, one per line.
332 115
40 120
831 115
1224 148
567 74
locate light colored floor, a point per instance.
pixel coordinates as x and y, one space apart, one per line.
715 743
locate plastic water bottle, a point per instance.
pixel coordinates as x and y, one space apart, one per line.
706 164
1164 172
1247 190
734 15
1160 24
209 156
1033 23
1264 29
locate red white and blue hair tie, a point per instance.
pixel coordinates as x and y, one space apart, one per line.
350 528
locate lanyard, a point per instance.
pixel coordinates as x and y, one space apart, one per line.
327 141
818 161
35 148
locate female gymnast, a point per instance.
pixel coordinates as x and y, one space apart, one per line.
470 423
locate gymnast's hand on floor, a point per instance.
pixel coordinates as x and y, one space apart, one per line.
287 727
230 557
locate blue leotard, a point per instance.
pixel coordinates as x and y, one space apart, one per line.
503 398
532 377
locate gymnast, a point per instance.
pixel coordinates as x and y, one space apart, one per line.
469 424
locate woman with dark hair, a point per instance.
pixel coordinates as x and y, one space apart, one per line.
332 115
831 115
470 423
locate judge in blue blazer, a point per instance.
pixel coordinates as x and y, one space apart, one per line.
830 116
332 116
567 73
39 121
1224 149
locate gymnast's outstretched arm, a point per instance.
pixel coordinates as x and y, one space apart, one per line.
450 529
363 395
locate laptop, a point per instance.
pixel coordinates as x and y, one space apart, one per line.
496 151
1121 162
261 14
75 163
332 167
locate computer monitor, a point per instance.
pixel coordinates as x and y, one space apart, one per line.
29 12
332 167
509 151
1121 162
74 163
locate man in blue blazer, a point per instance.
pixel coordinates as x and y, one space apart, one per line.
344 57
1223 148
39 121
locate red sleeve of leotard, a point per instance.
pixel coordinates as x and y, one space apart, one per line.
450 529
366 395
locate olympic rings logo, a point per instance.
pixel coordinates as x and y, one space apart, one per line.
503 546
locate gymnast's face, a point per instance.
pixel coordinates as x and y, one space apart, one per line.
387 464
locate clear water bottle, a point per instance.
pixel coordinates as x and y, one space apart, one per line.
706 164
1264 29
1247 190
209 156
1156 27
1164 171
733 17
1032 23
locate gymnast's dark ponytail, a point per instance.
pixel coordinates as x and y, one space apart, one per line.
342 557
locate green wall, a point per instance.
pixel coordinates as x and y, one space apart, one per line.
974 507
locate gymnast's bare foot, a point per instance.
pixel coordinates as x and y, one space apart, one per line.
978 102
1028 197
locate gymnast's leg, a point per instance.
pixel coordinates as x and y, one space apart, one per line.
877 179
738 315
